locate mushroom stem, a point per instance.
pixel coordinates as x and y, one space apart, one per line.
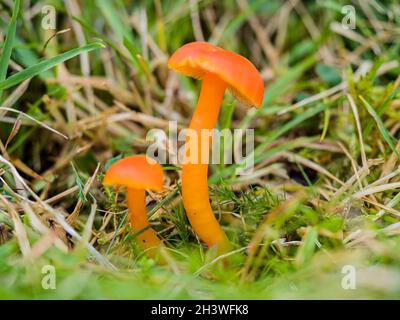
195 175
138 218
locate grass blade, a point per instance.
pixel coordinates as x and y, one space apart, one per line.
292 124
306 251
8 44
46 65
115 20
85 25
259 152
381 110
385 134
280 86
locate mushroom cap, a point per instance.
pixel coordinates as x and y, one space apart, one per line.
139 172
198 58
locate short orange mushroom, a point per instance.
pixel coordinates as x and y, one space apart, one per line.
219 70
138 173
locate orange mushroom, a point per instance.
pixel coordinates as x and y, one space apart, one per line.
138 173
219 69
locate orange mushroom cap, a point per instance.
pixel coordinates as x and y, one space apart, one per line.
139 172
197 58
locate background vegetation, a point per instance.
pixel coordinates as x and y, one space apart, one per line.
325 190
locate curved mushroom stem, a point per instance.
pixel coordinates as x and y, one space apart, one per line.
195 175
138 218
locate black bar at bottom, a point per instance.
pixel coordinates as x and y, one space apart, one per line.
200 309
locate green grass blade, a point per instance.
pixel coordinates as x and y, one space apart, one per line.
259 152
134 52
380 111
85 25
293 123
385 134
280 86
8 44
306 251
114 19
27 57
46 65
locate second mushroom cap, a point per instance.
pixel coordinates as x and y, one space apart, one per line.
139 172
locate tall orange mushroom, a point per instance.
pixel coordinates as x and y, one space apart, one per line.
138 173
219 70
